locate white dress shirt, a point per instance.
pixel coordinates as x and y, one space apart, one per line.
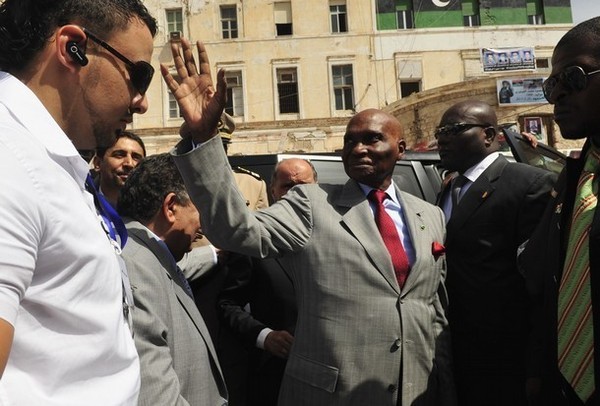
60 279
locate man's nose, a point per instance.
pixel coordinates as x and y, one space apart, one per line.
139 104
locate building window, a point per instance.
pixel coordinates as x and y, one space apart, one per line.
542 63
343 87
537 19
175 23
394 14
408 88
404 19
173 107
235 93
229 24
338 18
471 21
283 18
287 89
535 12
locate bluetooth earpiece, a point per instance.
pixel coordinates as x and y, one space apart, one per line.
77 54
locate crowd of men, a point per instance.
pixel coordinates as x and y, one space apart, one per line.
353 294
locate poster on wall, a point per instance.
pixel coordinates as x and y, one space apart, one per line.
520 91
507 59
534 126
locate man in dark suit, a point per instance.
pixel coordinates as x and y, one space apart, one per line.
178 361
371 326
491 207
267 288
561 261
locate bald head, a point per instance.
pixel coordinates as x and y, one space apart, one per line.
372 145
467 134
289 173
388 123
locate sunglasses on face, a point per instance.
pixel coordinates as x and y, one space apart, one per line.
452 130
573 79
140 73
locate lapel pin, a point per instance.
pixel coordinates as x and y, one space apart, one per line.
484 195
558 208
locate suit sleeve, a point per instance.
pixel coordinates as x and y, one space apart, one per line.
283 227
159 382
443 349
235 296
536 199
198 262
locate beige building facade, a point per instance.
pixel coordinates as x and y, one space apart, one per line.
297 70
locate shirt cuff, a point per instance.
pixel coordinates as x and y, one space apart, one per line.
262 336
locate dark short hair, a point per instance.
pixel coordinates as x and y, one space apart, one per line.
100 151
586 32
27 25
147 186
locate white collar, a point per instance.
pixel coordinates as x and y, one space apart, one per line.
27 109
476 170
391 191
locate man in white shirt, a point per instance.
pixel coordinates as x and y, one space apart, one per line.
64 296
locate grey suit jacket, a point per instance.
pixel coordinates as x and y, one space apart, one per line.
178 361
359 339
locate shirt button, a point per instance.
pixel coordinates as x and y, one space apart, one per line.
396 345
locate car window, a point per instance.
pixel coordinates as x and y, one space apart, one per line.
542 156
410 176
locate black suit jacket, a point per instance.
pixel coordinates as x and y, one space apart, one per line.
267 287
542 262
488 311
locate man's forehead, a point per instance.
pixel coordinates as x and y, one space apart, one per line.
565 56
127 144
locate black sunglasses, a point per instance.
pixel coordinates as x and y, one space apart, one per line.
573 78
451 130
140 73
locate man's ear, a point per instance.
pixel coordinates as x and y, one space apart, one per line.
168 207
71 46
490 134
96 160
401 149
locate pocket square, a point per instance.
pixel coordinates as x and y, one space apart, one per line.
437 250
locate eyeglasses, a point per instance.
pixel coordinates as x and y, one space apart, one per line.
140 73
573 78
451 130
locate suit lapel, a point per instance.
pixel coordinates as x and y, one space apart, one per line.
360 223
416 228
478 193
141 234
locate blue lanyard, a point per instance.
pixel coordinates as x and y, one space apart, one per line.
110 217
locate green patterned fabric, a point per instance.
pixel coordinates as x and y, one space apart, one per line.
575 326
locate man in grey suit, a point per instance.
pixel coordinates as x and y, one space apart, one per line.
362 337
178 361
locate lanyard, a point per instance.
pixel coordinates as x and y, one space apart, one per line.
110 217
113 226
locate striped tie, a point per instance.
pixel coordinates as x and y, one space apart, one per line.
575 327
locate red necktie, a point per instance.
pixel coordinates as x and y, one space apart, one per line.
390 236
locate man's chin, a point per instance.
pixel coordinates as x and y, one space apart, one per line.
572 133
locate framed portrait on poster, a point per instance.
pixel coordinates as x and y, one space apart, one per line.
534 125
